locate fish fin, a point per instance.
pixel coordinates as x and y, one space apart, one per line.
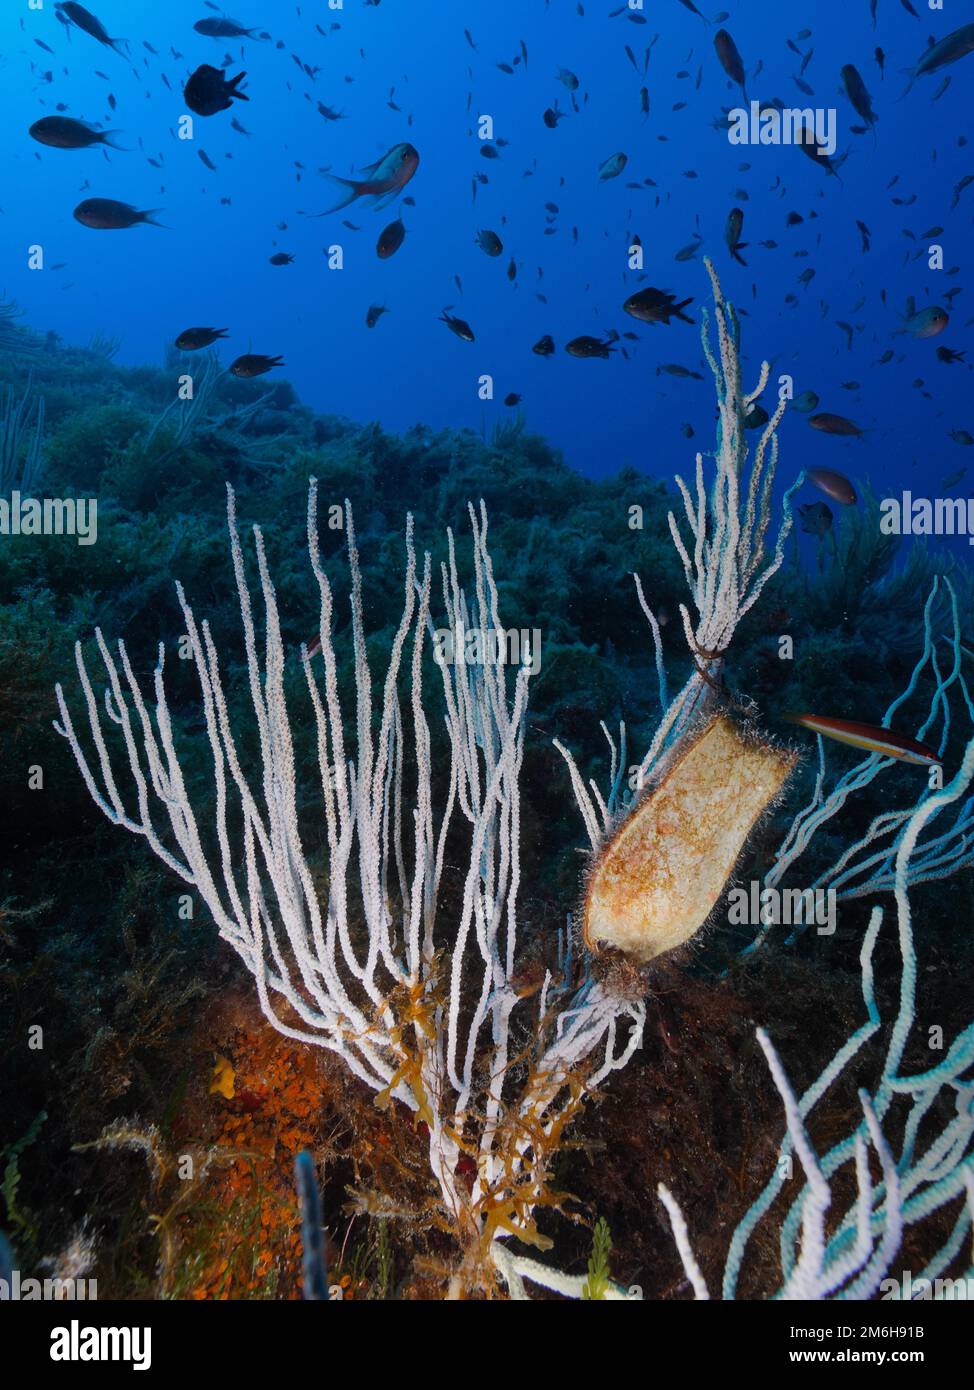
678 310
736 252
387 198
235 85
107 138
912 74
353 190
150 217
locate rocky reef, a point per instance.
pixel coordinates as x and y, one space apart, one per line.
150 1045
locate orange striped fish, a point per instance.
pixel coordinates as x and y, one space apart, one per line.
871 737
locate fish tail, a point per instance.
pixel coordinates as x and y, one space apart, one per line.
736 252
353 190
235 85
678 311
150 217
912 74
108 137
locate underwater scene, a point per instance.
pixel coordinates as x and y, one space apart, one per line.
486 655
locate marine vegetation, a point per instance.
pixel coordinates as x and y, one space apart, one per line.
368 847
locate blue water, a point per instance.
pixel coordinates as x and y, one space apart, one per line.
209 265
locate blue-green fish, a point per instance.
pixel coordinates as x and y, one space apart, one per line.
385 179
925 324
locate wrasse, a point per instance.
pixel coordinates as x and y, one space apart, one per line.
870 737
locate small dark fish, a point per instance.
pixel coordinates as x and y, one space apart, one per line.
208 91
730 58
880 57
809 145
965 182
552 116
458 326
732 235
63 133
946 354
806 402
282 258
490 243
192 339
206 160
374 315
545 346
86 21
816 518
390 239
678 370
834 424
587 346
857 94
955 46
567 79
512 398
612 167
222 29
107 215
253 364
656 306
951 481
756 418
